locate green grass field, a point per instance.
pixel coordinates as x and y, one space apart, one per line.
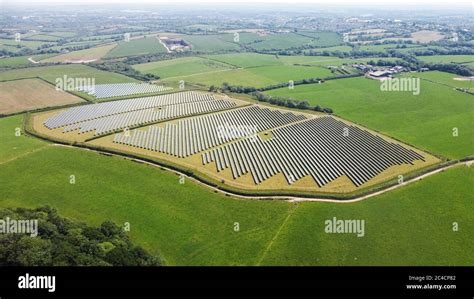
139 46
22 60
246 60
259 76
282 41
384 47
211 43
182 67
51 73
425 120
445 78
13 146
191 225
409 226
447 58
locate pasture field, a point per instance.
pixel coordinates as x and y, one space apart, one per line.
187 224
30 94
447 58
282 41
138 46
190 225
409 226
49 35
244 37
86 55
182 67
249 60
51 73
445 78
211 43
423 120
13 146
254 69
332 49
22 60
22 43
384 47
43 37
246 60
258 76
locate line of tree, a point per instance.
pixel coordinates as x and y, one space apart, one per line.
62 242
124 69
249 89
288 102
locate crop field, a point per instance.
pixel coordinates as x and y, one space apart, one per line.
426 36
29 94
87 55
182 67
420 120
197 229
52 73
448 58
137 46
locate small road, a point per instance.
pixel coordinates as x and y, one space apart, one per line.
30 59
287 198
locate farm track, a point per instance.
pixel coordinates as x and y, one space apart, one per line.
293 199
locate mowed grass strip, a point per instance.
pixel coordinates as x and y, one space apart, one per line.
412 225
52 73
30 94
426 120
182 67
12 145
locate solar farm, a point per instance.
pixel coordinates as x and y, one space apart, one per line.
102 91
244 145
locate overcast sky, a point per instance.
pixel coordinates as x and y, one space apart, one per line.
330 2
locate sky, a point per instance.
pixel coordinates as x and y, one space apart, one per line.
289 2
